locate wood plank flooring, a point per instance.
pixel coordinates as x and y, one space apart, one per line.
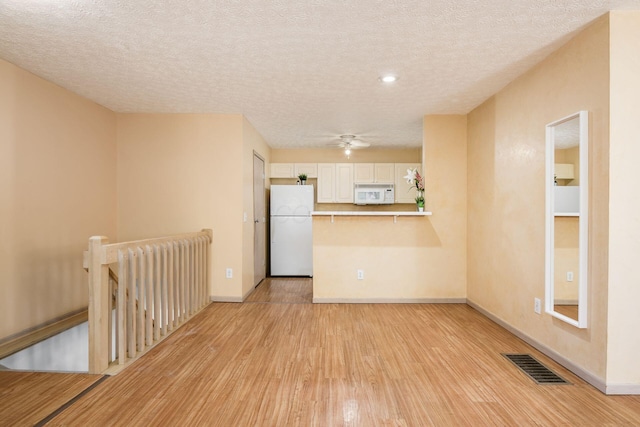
293 363
283 290
26 398
568 310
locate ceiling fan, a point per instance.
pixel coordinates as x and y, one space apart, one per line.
349 142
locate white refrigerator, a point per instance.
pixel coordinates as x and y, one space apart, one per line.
291 238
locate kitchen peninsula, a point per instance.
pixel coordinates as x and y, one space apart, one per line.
365 256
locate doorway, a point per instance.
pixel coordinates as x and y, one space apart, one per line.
259 221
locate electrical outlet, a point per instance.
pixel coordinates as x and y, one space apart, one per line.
569 276
360 274
245 217
537 305
229 273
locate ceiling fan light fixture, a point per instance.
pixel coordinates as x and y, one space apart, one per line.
388 78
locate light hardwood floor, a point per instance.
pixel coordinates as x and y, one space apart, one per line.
29 397
568 310
278 360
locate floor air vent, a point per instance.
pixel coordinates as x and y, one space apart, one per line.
536 370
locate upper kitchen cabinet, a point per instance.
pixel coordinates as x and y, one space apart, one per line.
292 170
363 173
326 182
309 169
344 182
404 192
282 170
335 182
384 173
373 172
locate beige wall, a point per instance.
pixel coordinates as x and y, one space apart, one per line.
624 204
180 173
336 155
445 177
57 168
416 258
506 177
252 143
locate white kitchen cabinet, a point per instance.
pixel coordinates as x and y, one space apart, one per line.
335 183
344 182
404 192
382 173
310 169
363 173
292 170
326 182
282 170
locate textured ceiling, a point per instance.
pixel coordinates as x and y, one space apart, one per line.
300 71
567 134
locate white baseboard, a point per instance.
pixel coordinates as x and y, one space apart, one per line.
389 300
589 377
623 389
215 298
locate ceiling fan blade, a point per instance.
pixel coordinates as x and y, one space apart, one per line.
348 141
358 143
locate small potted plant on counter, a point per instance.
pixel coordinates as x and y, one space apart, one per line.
303 178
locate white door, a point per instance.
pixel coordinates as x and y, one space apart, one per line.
259 222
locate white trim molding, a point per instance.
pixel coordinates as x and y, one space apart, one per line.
623 389
215 298
389 300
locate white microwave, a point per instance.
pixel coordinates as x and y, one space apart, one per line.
373 194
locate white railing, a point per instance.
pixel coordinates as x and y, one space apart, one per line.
158 284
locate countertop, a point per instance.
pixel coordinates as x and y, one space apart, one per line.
370 213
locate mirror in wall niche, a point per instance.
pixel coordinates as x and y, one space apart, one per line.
567 195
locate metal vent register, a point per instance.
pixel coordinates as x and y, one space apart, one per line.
535 370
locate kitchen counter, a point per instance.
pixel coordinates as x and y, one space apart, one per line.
370 213
394 214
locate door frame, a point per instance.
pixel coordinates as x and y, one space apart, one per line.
259 276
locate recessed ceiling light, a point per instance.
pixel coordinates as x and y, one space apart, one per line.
388 78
